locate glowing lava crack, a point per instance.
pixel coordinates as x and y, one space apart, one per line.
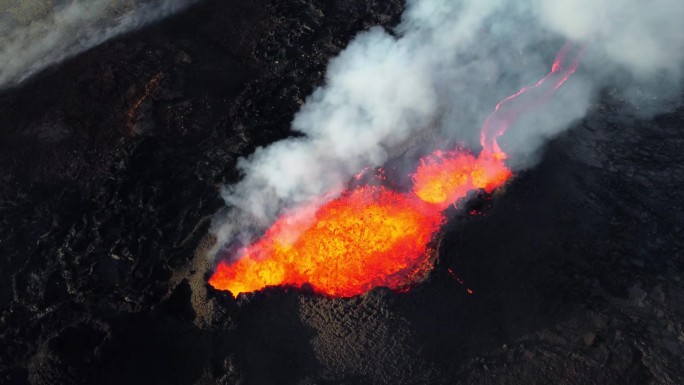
372 236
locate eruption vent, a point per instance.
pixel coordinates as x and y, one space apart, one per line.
372 236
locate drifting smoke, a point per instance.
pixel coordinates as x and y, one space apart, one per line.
446 65
35 34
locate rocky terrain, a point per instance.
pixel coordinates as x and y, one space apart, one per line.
110 167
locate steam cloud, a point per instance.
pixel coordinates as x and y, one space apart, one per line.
36 34
446 65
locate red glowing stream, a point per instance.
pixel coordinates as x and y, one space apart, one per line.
372 236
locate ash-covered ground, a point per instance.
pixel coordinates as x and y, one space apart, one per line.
110 167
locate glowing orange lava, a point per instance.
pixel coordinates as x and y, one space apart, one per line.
369 237
372 236
443 178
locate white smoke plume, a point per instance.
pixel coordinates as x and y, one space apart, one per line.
37 33
447 64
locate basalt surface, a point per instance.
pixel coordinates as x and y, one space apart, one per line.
110 170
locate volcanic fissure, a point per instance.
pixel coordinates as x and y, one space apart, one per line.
372 236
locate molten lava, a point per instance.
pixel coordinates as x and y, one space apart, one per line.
371 236
443 178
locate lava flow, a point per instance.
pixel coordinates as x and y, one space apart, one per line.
372 236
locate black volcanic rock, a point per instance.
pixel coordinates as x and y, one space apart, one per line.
110 167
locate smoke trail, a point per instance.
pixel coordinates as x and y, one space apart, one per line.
36 34
450 62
